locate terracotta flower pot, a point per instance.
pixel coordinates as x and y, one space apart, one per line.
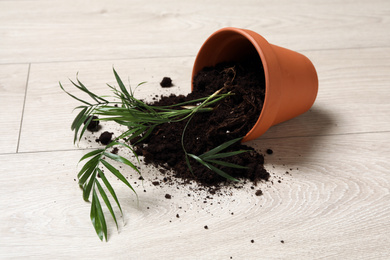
291 82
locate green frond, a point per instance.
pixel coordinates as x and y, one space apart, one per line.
106 201
87 188
109 188
97 217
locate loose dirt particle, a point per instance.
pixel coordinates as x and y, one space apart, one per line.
115 150
166 82
105 138
168 196
93 126
259 193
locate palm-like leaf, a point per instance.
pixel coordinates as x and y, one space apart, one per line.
209 158
89 182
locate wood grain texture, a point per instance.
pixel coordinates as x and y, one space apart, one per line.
329 193
47 104
330 207
13 81
339 108
96 30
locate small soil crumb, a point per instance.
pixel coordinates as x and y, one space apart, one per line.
177 215
93 126
168 196
206 227
252 241
282 241
105 138
115 150
259 193
269 151
156 183
166 82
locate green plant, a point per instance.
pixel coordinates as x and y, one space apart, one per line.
140 120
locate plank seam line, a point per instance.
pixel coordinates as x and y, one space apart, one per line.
180 56
269 138
24 106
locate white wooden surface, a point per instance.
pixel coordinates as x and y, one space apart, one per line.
333 203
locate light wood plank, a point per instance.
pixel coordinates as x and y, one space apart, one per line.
48 113
98 30
352 98
335 207
13 80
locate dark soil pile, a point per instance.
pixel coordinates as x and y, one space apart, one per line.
231 118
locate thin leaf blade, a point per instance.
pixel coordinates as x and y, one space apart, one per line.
100 216
220 147
90 154
78 117
121 159
213 168
222 173
110 189
227 164
223 155
96 222
117 174
106 201
87 188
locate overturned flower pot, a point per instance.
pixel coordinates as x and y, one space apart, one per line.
291 82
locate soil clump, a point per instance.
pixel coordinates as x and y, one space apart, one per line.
93 125
166 82
105 138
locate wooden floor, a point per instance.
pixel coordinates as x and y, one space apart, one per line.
334 202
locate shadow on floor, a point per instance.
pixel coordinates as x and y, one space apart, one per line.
297 139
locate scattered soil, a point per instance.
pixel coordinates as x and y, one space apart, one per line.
231 118
259 193
105 138
93 126
166 82
115 150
